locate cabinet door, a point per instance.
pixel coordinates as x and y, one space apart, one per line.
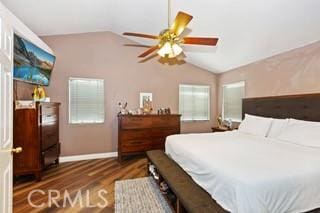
26 135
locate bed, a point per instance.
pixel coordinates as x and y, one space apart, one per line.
250 173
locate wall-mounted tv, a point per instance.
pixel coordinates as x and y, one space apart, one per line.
31 63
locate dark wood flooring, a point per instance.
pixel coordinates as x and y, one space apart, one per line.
91 176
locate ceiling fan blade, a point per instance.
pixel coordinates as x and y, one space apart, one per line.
200 41
148 58
180 23
149 51
141 35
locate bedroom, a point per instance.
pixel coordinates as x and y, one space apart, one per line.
268 49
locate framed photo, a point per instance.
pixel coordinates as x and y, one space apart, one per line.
144 97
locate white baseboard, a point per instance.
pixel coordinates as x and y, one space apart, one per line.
88 157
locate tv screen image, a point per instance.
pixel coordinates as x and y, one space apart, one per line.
31 63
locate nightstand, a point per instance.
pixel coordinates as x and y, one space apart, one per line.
220 129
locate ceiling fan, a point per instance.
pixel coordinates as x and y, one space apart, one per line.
169 39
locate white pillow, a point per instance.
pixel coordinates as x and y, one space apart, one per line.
277 126
304 133
255 125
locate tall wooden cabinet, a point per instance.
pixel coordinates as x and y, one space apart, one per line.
140 133
37 132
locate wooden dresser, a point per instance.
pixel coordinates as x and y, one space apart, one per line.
140 133
37 132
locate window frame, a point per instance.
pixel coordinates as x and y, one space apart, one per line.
209 103
223 100
69 101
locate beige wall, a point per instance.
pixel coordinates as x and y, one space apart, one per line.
293 72
103 55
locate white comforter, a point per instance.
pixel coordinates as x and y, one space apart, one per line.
246 173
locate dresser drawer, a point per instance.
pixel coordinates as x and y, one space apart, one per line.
49 136
50 155
132 122
158 143
164 121
45 119
50 127
163 132
134 134
142 122
49 109
49 140
140 133
142 145
158 146
136 145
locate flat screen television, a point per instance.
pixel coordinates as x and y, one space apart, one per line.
31 63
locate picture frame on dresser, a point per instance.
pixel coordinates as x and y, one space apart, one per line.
144 96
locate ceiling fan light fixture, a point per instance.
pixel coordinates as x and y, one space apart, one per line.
170 50
170 39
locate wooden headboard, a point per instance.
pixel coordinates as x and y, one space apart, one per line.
302 107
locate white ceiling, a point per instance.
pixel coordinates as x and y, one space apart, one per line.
249 30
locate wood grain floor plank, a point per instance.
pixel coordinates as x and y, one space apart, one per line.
91 176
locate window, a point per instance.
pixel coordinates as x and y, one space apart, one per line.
194 102
232 101
86 100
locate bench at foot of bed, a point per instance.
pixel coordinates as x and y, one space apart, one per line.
189 197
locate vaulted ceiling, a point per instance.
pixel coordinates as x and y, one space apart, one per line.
249 30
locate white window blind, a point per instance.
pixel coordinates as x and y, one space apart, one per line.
86 100
194 102
232 101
